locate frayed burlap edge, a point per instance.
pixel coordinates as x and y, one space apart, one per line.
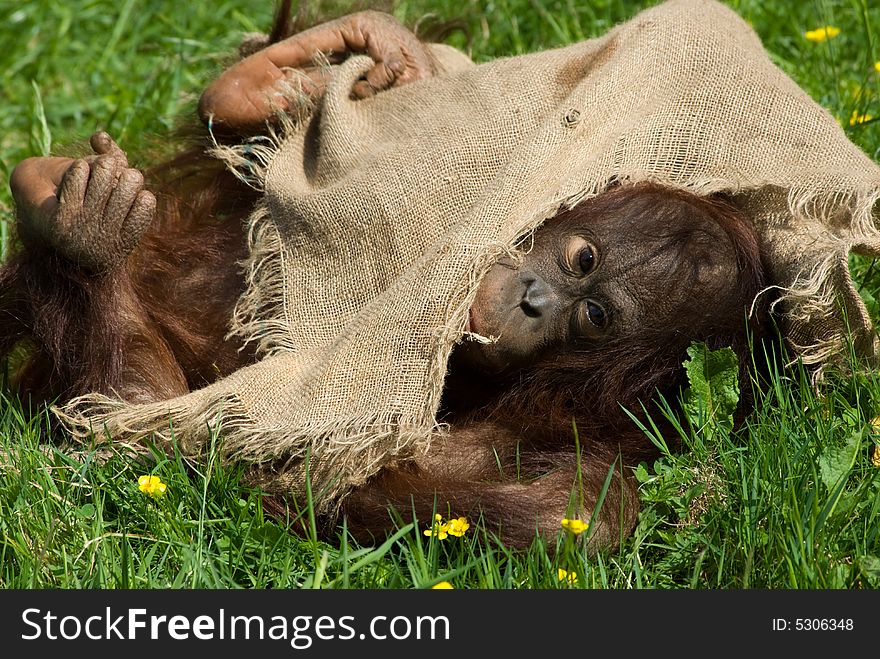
821 314
261 313
334 456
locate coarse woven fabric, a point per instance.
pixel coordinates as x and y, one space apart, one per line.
380 217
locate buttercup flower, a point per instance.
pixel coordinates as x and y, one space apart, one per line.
442 529
152 485
439 529
576 526
822 33
857 118
570 577
457 527
443 585
877 67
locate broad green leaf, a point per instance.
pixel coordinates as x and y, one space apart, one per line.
869 566
711 399
641 473
835 462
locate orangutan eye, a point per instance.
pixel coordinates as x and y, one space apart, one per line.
581 257
590 320
596 314
587 259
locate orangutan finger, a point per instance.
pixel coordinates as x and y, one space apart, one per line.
72 191
102 182
130 183
380 77
138 220
103 144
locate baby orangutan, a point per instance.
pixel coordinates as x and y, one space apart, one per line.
126 284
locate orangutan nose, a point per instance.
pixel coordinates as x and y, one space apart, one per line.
538 296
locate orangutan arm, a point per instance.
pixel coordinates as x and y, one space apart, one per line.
484 472
80 219
247 94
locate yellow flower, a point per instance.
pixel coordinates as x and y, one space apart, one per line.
822 33
857 118
875 429
576 526
443 585
570 577
457 527
439 529
877 67
152 485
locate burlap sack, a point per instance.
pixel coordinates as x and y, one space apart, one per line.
380 216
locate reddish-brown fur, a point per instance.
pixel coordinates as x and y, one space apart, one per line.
152 329
156 328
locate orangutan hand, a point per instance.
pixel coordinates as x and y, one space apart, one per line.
92 210
249 92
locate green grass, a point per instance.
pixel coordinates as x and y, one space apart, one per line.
789 500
